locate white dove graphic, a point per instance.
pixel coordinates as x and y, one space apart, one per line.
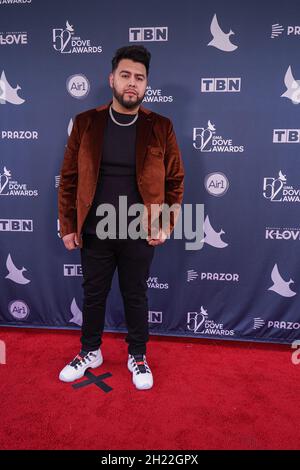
280 286
69 26
282 177
77 314
15 274
7 93
292 87
220 39
212 237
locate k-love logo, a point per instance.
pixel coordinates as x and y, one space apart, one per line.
13 38
277 189
206 140
198 323
65 42
282 233
155 95
9 187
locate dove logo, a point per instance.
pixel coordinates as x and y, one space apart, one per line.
273 187
198 322
76 314
212 237
78 86
280 286
292 87
157 33
65 42
216 184
154 317
13 188
4 178
18 309
15 274
153 95
8 94
153 283
196 319
220 39
205 140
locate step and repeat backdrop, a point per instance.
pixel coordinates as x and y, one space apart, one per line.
228 76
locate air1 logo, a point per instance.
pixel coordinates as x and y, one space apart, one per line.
216 184
78 86
18 309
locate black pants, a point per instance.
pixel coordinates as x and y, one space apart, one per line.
99 259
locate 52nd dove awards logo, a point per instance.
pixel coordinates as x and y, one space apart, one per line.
199 323
206 140
65 42
277 189
10 187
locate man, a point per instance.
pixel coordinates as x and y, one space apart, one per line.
119 149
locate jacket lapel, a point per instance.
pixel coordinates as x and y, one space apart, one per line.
143 133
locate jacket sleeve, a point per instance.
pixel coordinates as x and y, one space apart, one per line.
67 191
174 175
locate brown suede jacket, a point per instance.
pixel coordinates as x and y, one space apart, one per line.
159 167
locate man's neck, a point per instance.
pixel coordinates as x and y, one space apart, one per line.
116 106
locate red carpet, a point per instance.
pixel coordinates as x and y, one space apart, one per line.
207 395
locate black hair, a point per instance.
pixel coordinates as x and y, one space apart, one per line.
135 53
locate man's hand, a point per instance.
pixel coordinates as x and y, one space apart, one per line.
159 239
71 241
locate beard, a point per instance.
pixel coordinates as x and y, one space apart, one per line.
129 103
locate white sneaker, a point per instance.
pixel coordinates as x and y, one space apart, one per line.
76 369
141 374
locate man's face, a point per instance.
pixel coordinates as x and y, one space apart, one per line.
129 82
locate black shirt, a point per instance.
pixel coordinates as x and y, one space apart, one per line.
117 175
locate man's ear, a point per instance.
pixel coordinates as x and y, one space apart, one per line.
111 80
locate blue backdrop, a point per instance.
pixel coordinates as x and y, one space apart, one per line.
234 101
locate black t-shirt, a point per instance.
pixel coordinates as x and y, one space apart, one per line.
117 175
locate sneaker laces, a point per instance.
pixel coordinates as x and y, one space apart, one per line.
139 364
81 359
